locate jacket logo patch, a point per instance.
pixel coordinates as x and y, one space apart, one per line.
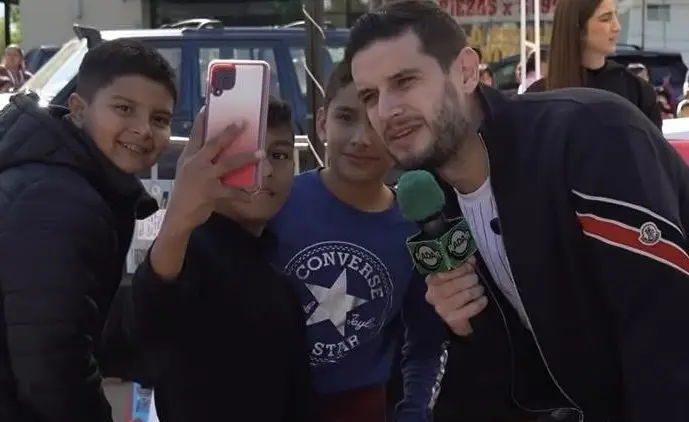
650 234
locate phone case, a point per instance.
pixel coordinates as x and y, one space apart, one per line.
238 90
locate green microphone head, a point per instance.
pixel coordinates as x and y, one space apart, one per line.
419 196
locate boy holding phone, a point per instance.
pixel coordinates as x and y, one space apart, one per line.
226 331
69 198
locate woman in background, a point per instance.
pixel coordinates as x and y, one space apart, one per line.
13 72
585 32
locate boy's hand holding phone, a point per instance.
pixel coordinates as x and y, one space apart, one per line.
198 182
197 188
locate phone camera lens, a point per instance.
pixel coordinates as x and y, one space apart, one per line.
224 80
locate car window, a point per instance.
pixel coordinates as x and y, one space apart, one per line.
267 54
63 67
173 55
58 71
298 55
505 76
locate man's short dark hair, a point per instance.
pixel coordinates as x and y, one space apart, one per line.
123 57
279 114
440 35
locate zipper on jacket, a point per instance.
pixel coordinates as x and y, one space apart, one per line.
513 361
562 391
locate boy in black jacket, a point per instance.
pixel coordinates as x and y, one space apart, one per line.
69 197
219 320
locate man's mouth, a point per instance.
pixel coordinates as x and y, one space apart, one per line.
401 133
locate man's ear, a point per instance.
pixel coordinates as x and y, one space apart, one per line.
465 70
77 107
321 117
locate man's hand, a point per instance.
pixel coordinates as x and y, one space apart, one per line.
197 183
457 296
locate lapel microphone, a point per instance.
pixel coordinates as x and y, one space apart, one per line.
495 226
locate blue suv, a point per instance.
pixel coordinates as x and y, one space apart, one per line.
189 46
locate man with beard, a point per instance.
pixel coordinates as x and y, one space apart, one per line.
575 306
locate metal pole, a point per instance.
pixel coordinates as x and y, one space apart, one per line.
8 23
537 36
644 16
523 41
314 11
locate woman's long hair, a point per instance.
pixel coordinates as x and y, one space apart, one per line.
567 43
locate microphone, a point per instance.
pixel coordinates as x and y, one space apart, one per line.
441 244
495 226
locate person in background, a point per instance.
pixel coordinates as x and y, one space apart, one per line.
683 108
640 70
70 197
341 240
13 74
485 74
224 329
531 69
584 33
664 99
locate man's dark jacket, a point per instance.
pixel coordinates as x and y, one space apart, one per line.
66 220
593 210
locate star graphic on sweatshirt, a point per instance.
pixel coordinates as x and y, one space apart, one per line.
333 303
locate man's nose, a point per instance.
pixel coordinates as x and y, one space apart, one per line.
389 105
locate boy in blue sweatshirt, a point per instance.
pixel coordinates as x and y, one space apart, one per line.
341 239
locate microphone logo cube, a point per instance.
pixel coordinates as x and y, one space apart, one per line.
448 251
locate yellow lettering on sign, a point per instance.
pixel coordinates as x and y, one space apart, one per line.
500 40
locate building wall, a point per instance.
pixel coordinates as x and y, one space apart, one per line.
665 27
50 21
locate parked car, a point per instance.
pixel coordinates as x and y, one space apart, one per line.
37 57
189 46
661 65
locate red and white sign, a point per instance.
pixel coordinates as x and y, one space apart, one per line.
677 132
473 11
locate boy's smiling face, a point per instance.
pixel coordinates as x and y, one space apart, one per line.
129 120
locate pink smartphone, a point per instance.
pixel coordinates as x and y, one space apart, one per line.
238 90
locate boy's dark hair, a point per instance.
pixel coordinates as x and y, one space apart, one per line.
340 77
440 35
117 58
279 114
531 59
